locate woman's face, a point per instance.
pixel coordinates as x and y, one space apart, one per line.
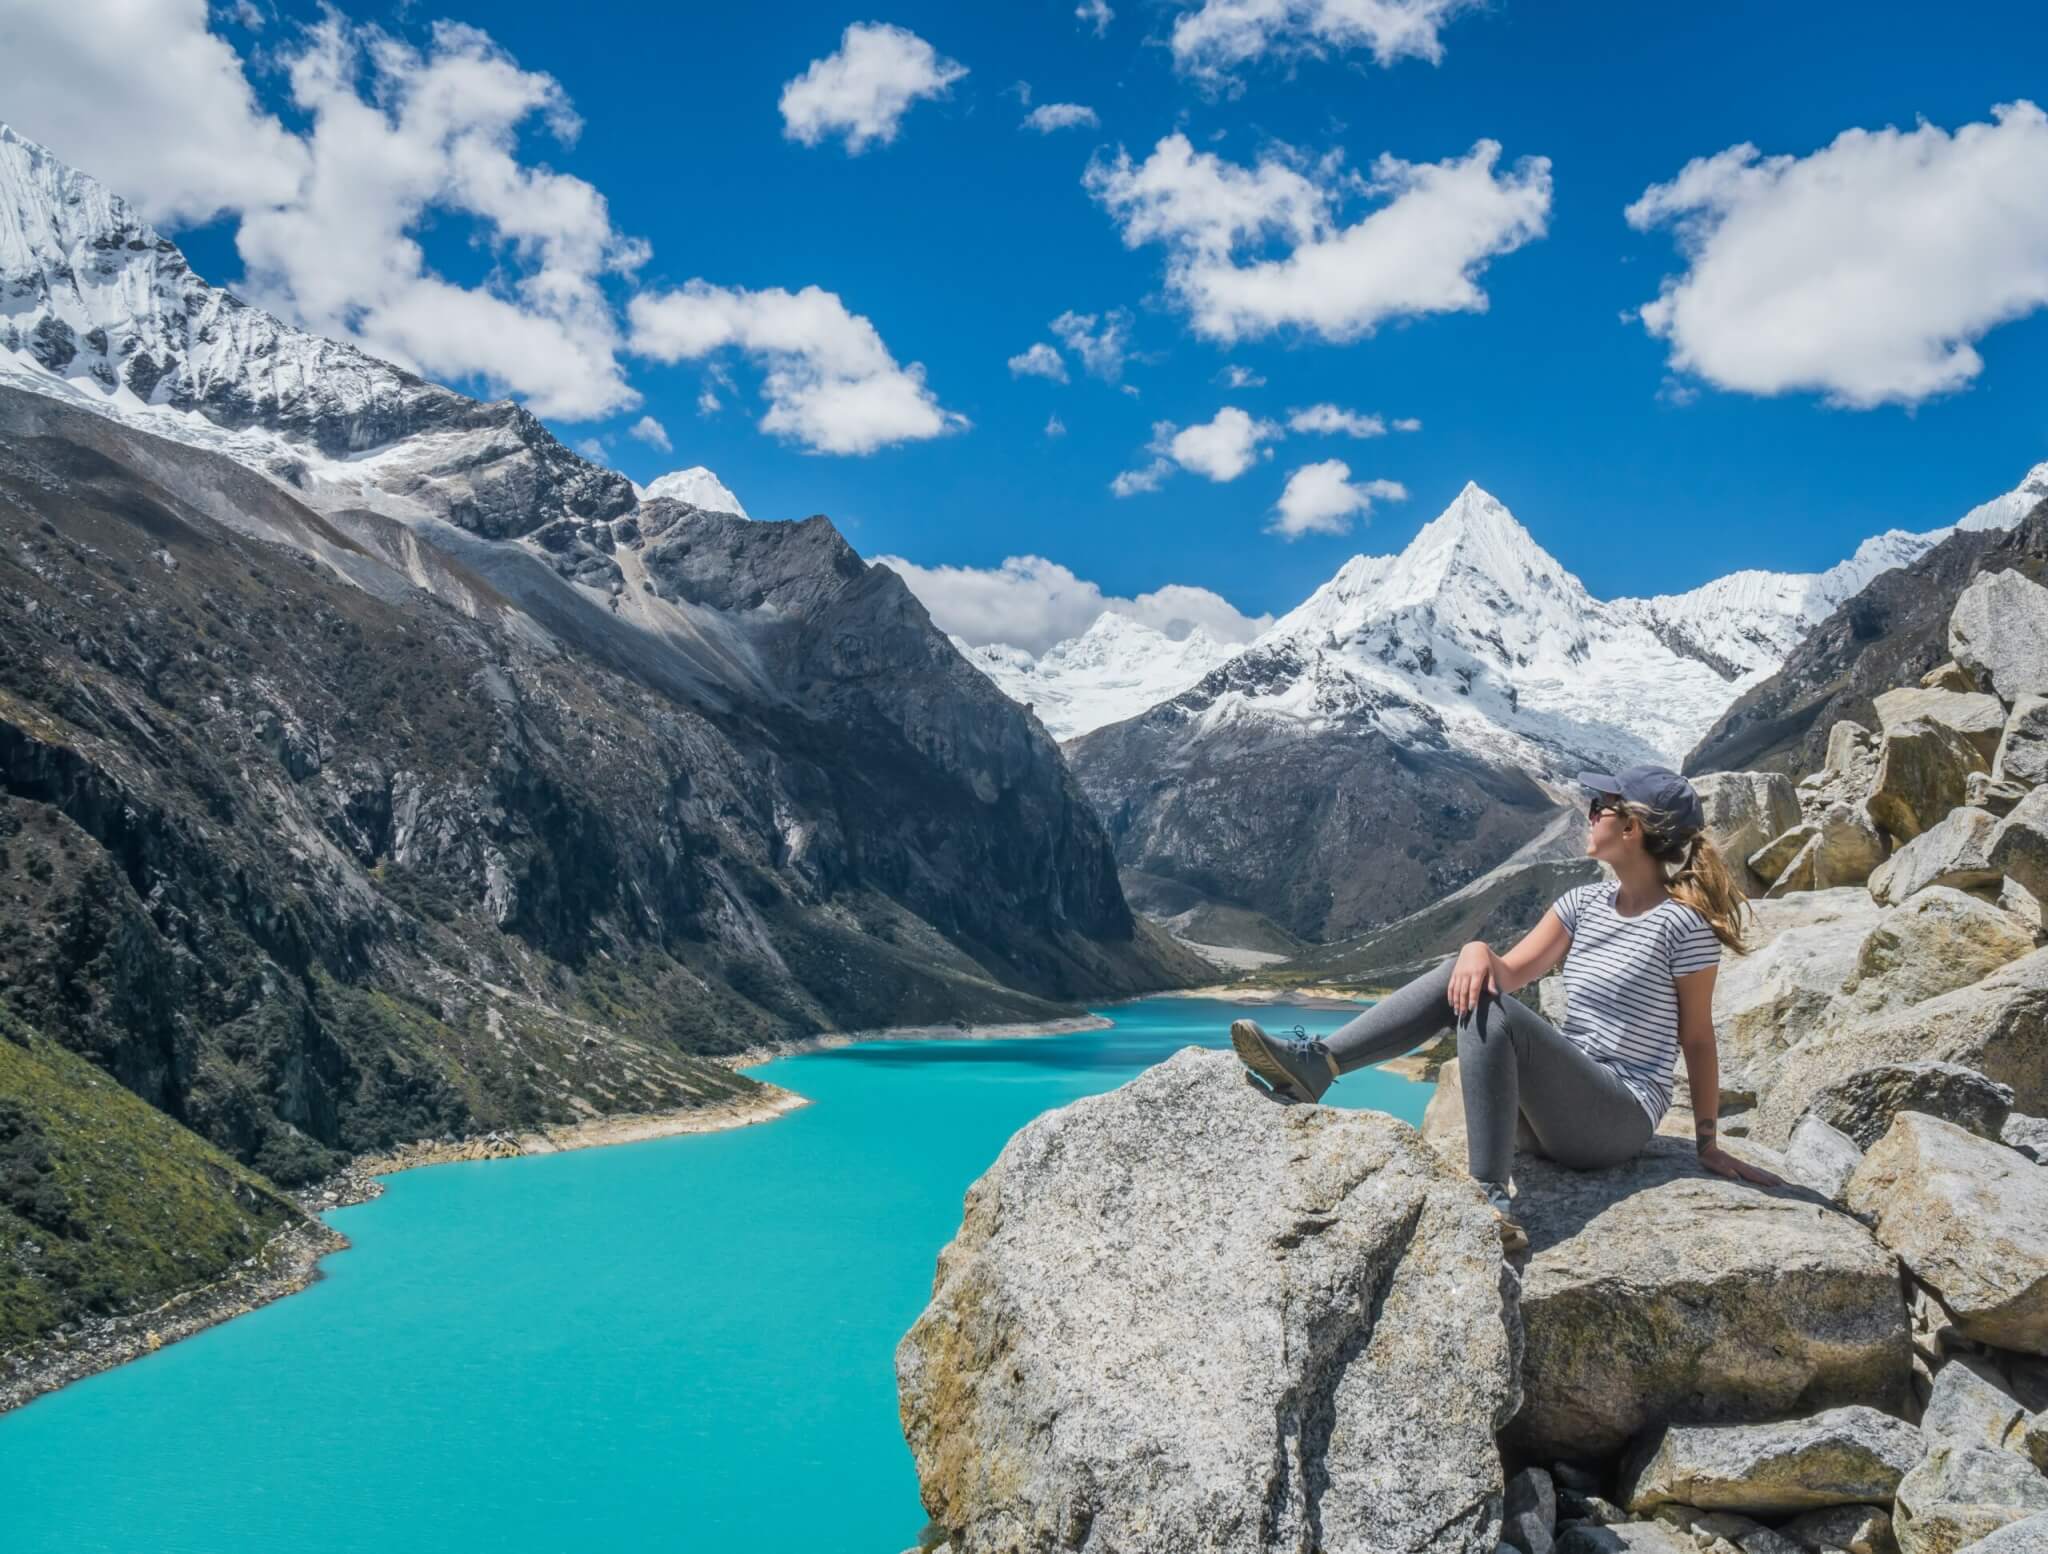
1611 831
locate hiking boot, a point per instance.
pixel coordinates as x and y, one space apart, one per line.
1297 1070
1513 1238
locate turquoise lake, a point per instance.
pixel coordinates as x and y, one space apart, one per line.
679 1345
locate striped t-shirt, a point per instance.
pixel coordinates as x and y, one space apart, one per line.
1620 1004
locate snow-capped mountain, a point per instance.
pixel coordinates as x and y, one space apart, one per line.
1115 669
697 487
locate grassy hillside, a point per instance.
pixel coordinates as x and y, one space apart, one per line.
106 1204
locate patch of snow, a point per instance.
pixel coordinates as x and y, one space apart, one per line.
698 487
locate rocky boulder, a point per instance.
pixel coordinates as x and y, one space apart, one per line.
1969 1218
1802 948
2022 754
1939 940
1959 1494
1821 1156
1955 851
1843 1456
1950 676
1998 631
1922 774
1978 718
1998 795
2028 1535
1770 861
1744 810
1625 1538
1844 1529
1656 1292
1841 847
1971 1404
2019 847
1186 1316
1998 1026
1864 1104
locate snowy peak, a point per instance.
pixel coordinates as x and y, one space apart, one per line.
2002 512
48 211
696 486
1114 670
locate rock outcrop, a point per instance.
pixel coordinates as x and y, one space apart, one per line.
1955 851
1842 1456
1998 632
1959 1494
1969 1218
1864 1104
1936 941
1744 811
1185 1316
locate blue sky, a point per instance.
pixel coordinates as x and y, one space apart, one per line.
964 236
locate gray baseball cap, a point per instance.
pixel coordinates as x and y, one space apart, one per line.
1658 789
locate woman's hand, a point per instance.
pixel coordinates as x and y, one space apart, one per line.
1721 1163
1472 978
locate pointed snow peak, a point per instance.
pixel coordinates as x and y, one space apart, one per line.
2002 512
1476 546
47 210
696 486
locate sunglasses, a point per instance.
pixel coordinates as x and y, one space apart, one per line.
1604 805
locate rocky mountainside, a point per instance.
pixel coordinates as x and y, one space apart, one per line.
373 768
1890 633
1403 730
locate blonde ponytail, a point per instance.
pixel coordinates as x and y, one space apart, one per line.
1698 876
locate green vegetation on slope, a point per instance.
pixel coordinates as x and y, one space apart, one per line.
106 1204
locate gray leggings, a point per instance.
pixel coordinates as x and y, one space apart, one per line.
1512 1063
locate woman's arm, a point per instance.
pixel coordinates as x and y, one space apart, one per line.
1480 971
1703 1078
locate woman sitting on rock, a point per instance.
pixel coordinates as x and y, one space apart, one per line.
1640 953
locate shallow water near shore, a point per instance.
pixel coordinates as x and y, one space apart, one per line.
681 1344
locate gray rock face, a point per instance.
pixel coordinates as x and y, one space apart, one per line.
2028 1135
1864 1104
1529 1517
1802 949
1840 1457
1936 941
1980 719
2022 754
1922 773
1959 1494
1955 851
1841 847
1821 1156
1998 1026
1950 676
1655 1291
1971 1405
1770 861
1998 631
1998 795
1969 1218
2019 847
1184 1316
1845 1529
2028 1535
1744 810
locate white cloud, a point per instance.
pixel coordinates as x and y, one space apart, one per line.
595 449
651 432
1222 35
1407 423
1103 350
1333 420
1055 427
1032 603
1420 250
1223 447
830 382
1021 90
1147 477
1321 498
862 92
1041 361
1047 117
149 102
1095 15
1242 377
1864 271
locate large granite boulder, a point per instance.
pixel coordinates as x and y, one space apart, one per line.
1864 1104
1744 810
1844 1529
1821 1156
1842 1456
1940 939
1969 1218
1994 794
1840 846
1802 949
1955 851
2022 754
1186 1316
1980 719
1998 1026
1972 1404
1922 774
1959 1494
2019 847
1658 1293
1998 631
1950 676
2028 1535
1770 861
